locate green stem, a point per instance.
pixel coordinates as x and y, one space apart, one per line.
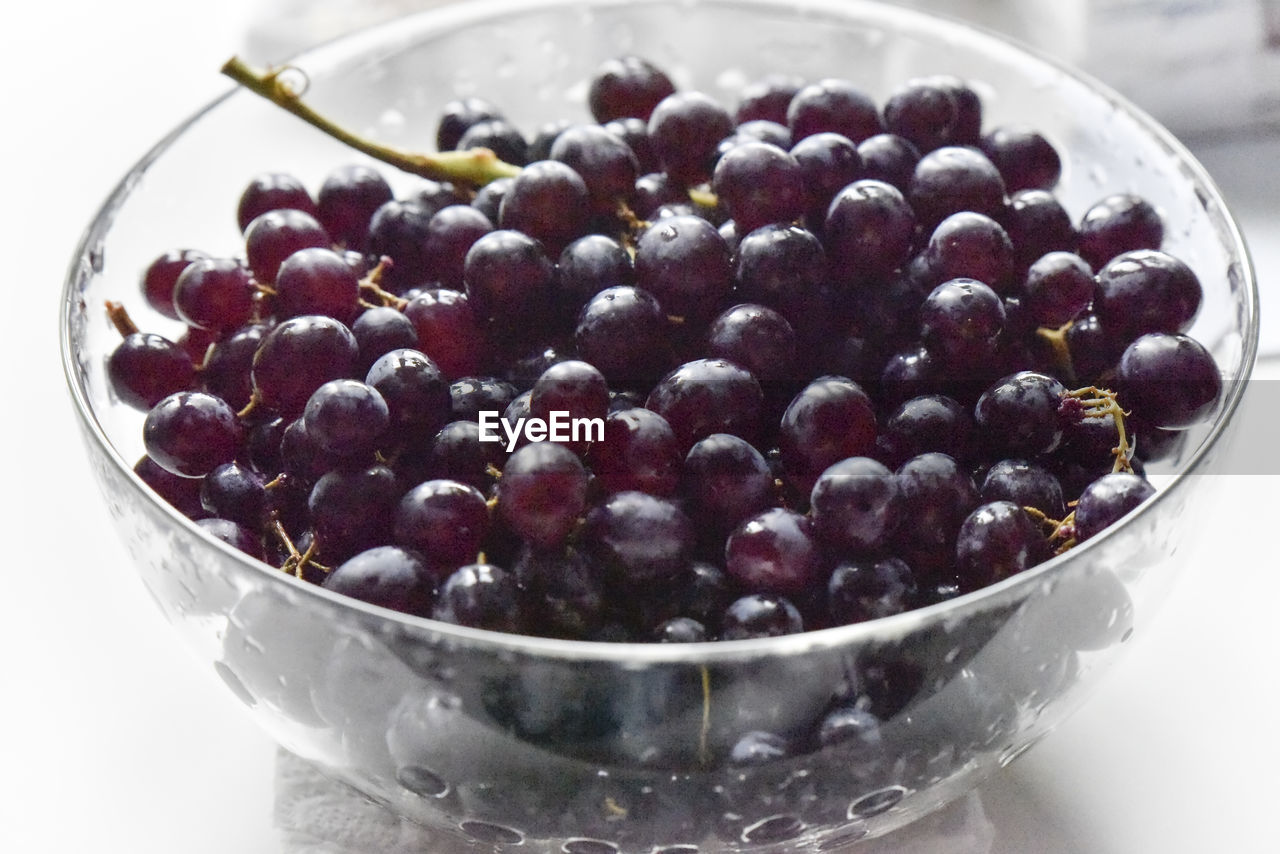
474 167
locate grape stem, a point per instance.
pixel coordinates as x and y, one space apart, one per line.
1099 403
475 167
120 319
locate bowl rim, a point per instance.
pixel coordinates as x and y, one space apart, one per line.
354 46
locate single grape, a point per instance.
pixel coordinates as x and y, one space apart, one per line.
889 158
499 136
378 331
783 267
774 552
1037 224
316 281
835 106
828 163
1146 290
450 234
236 492
145 368
549 202
856 505
448 330
275 235
488 199
1026 160
1105 501
624 333
481 596
757 338
444 520
191 433
346 418
961 320
726 480
347 201
508 278
951 179
868 231
1059 286
654 191
235 535
685 128
162 274
398 231
352 510
937 495
996 541
1026 485
685 263
767 98
922 113
608 166
589 265
214 294
708 396
1119 223
181 492
387 576
639 539
1169 381
414 389
760 183
634 131
639 452
297 357
830 419
932 422
542 493
459 115
1018 416
272 191
469 396
866 589
759 615
456 453
680 630
973 246
575 389
967 129
627 86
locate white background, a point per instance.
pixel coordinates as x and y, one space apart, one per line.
114 741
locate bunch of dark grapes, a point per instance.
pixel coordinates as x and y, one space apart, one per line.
847 359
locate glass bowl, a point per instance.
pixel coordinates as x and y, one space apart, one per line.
498 740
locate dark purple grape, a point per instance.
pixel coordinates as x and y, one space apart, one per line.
457 453
685 263
757 130
448 330
625 87
272 191
890 158
182 492
937 495
435 196
757 338
145 368
236 492
1026 160
1105 501
922 113
481 596
996 541
639 452
1059 286
708 396
828 163
276 235
1093 349
624 333
774 552
1143 291
545 137
1119 223
386 576
542 493
831 419
1018 416
835 106
316 281
214 294
451 232
961 320
685 128
398 231
191 433
162 274
759 615
459 115
235 535
499 136
868 589
639 539
1168 381
760 183
1026 485
297 357
606 163
680 630
227 366
951 179
1038 224
563 594
868 231
347 201
928 423
352 509
570 391
972 246
380 330
655 191
587 266
415 391
444 520
783 267
767 98
911 372
550 203
301 459
726 480
856 505
346 418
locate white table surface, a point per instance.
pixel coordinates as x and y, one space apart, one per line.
114 741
